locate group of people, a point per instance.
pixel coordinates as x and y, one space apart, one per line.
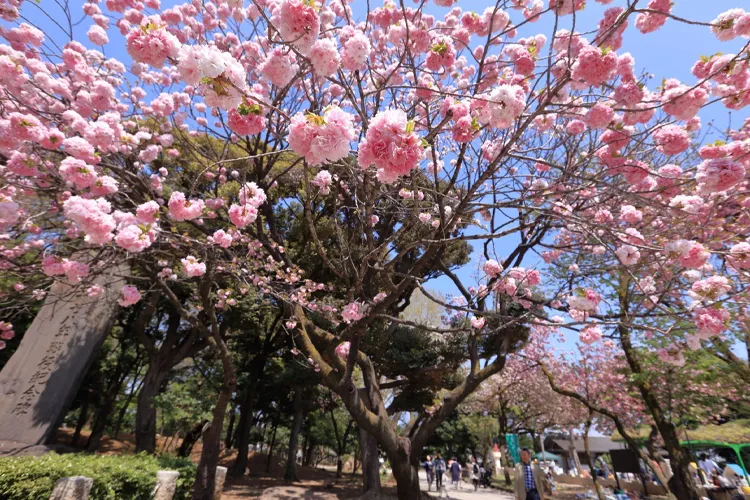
530 479
436 468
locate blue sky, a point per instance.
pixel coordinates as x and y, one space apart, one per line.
669 52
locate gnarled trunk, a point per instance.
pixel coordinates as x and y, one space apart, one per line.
368 456
407 478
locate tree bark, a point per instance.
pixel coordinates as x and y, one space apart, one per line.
370 460
309 452
205 479
228 437
100 424
83 417
244 426
407 478
270 449
108 406
574 454
126 404
506 463
681 483
597 486
191 438
145 416
247 406
290 474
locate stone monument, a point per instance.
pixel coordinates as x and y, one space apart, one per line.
41 378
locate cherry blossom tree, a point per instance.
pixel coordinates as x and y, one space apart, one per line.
333 157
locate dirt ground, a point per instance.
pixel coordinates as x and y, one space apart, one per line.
313 483
250 486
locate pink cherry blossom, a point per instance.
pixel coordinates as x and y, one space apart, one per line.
352 312
671 139
594 66
590 334
183 209
192 267
242 215
298 23
493 268
628 255
478 323
221 238
151 43
135 238
323 138
279 67
391 145
325 57
718 175
710 321
323 181
342 350
129 295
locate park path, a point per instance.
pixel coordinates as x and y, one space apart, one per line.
465 493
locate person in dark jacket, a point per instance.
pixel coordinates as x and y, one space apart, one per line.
475 473
455 472
439 465
428 468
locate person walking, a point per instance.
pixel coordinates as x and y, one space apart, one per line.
455 472
529 479
428 468
439 466
475 473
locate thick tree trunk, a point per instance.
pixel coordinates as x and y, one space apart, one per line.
145 416
407 479
205 479
681 483
368 453
290 474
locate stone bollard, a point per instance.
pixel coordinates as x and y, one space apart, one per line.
72 488
221 476
166 484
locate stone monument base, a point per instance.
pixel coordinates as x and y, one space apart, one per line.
16 449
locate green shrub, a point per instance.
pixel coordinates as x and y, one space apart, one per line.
115 477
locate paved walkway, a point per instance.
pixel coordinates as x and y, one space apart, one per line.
465 493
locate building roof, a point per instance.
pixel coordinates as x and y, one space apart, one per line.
597 444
